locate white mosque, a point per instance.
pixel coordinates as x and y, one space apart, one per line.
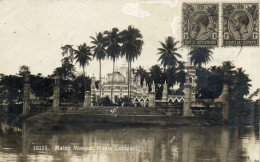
140 92
120 85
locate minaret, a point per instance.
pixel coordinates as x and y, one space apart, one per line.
138 80
147 88
153 87
138 84
123 69
144 82
144 87
165 92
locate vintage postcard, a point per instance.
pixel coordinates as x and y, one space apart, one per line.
129 80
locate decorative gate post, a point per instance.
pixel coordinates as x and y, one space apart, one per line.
189 87
165 92
26 98
56 96
87 99
187 97
152 96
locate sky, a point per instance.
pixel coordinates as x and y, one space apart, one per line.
33 32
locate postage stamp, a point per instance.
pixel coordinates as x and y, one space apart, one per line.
240 24
200 25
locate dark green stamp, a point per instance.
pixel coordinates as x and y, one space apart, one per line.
240 24
200 25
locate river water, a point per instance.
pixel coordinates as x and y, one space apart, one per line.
132 144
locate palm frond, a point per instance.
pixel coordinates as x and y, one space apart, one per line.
168 54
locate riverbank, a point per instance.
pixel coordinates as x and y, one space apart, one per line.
108 117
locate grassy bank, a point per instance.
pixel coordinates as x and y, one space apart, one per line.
103 117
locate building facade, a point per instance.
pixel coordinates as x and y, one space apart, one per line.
140 93
120 85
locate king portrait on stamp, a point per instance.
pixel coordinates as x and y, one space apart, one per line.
200 25
240 24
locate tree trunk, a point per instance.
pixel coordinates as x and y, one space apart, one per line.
236 109
130 80
128 94
84 79
100 80
112 81
168 77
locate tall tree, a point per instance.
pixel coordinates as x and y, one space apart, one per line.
239 86
238 82
200 56
157 75
67 69
180 75
132 44
112 41
83 55
168 54
99 52
68 51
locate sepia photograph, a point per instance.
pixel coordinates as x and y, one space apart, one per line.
129 80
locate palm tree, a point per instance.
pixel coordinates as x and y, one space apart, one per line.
113 49
132 44
200 56
168 55
99 52
228 69
83 55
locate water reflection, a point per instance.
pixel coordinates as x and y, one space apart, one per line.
133 144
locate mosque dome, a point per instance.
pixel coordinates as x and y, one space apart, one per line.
118 78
